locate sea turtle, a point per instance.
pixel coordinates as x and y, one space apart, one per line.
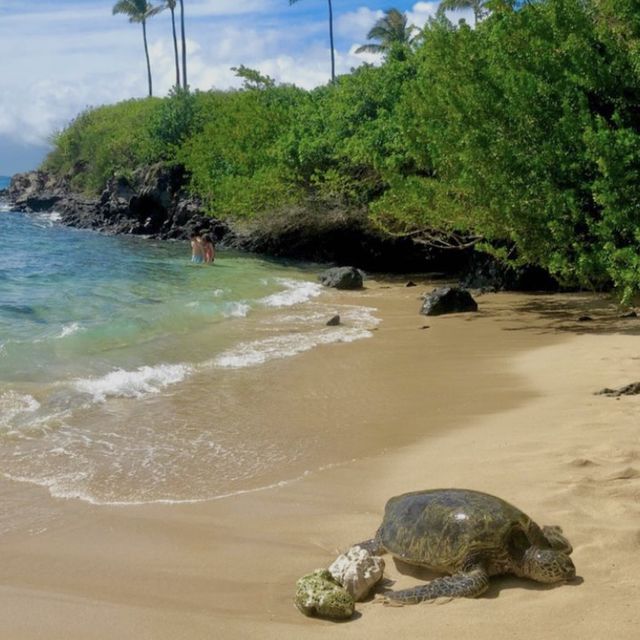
471 536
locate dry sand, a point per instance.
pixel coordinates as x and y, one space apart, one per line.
501 401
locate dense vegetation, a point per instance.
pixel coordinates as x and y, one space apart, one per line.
521 135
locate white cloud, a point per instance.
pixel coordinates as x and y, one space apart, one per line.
356 24
421 12
369 58
198 8
74 54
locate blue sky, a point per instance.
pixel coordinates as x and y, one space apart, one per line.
61 56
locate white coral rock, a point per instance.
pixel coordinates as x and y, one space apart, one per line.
357 571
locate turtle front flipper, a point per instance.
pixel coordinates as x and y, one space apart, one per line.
469 584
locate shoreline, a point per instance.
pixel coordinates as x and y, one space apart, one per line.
155 203
514 425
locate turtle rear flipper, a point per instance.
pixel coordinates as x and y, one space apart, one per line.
469 584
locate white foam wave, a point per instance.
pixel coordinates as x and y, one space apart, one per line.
359 316
14 404
61 486
295 292
132 384
256 352
65 486
48 218
236 309
305 317
69 329
355 316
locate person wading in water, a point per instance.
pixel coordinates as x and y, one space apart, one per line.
197 250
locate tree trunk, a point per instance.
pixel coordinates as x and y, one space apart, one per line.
175 46
184 47
333 56
146 53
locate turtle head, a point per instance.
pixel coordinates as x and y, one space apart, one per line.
548 565
556 538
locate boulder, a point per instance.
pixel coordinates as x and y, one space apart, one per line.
334 321
342 278
358 571
318 594
448 300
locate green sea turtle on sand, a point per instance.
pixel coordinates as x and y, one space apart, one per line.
471 536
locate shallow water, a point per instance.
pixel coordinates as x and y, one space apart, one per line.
125 371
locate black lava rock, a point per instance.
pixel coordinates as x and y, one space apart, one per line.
448 300
342 278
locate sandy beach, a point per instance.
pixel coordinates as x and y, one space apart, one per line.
500 401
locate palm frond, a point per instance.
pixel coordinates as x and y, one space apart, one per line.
136 10
124 6
370 48
389 31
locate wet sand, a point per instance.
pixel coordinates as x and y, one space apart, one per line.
500 401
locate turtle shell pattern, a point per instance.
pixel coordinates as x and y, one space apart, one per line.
449 530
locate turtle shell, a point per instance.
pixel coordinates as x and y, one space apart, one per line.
448 529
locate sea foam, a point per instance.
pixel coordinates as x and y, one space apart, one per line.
132 384
69 329
236 309
48 218
73 486
13 404
295 292
256 352
357 322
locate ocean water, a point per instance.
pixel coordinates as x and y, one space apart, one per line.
127 373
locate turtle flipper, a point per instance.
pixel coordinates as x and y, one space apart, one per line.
470 584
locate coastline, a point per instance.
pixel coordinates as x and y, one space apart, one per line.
500 401
155 202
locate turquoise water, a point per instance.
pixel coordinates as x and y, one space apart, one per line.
113 350
4 182
76 303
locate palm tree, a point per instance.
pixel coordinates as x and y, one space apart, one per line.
171 5
184 47
139 11
477 6
391 31
333 56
